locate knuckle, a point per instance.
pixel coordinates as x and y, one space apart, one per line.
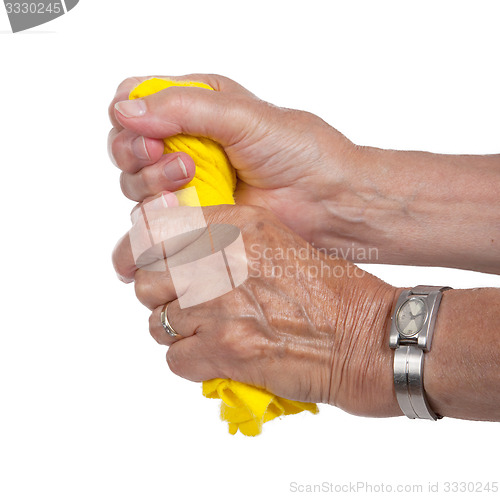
142 289
115 147
120 149
117 266
118 260
174 362
217 81
148 179
220 83
111 140
178 101
111 111
153 327
128 83
124 186
119 270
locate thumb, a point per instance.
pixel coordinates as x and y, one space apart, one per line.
223 117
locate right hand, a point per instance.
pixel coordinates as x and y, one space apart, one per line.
288 161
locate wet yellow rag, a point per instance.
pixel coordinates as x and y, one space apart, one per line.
244 407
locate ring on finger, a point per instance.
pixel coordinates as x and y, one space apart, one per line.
165 323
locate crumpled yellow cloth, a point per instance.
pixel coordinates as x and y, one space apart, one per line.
244 407
215 178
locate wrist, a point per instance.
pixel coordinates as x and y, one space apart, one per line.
341 220
355 213
368 206
362 380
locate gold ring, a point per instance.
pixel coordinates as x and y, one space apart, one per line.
165 323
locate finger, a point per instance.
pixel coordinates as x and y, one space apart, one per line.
218 83
111 136
215 81
178 319
170 173
122 93
130 152
154 287
192 359
167 198
160 229
189 110
123 260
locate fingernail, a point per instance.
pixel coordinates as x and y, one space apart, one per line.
175 170
169 200
131 108
139 148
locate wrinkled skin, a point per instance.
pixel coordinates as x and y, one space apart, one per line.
288 161
315 331
335 195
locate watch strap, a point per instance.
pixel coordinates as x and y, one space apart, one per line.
409 383
409 356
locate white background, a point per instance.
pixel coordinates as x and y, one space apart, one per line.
88 405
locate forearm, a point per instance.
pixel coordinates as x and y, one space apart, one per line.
462 370
417 208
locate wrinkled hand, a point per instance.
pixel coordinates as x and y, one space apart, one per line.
288 161
303 325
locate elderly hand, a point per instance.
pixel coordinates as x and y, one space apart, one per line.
288 161
303 325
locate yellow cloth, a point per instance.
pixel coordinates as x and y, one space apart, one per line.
215 178
244 407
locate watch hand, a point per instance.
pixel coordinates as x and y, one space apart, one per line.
416 315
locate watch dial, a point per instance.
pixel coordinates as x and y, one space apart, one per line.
411 317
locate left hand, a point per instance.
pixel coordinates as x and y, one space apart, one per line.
288 161
304 326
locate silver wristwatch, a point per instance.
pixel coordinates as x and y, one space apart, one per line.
412 328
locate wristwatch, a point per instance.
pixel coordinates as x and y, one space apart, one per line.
412 327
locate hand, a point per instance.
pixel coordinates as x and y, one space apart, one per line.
288 161
304 326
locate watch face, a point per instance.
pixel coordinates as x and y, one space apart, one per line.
411 317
